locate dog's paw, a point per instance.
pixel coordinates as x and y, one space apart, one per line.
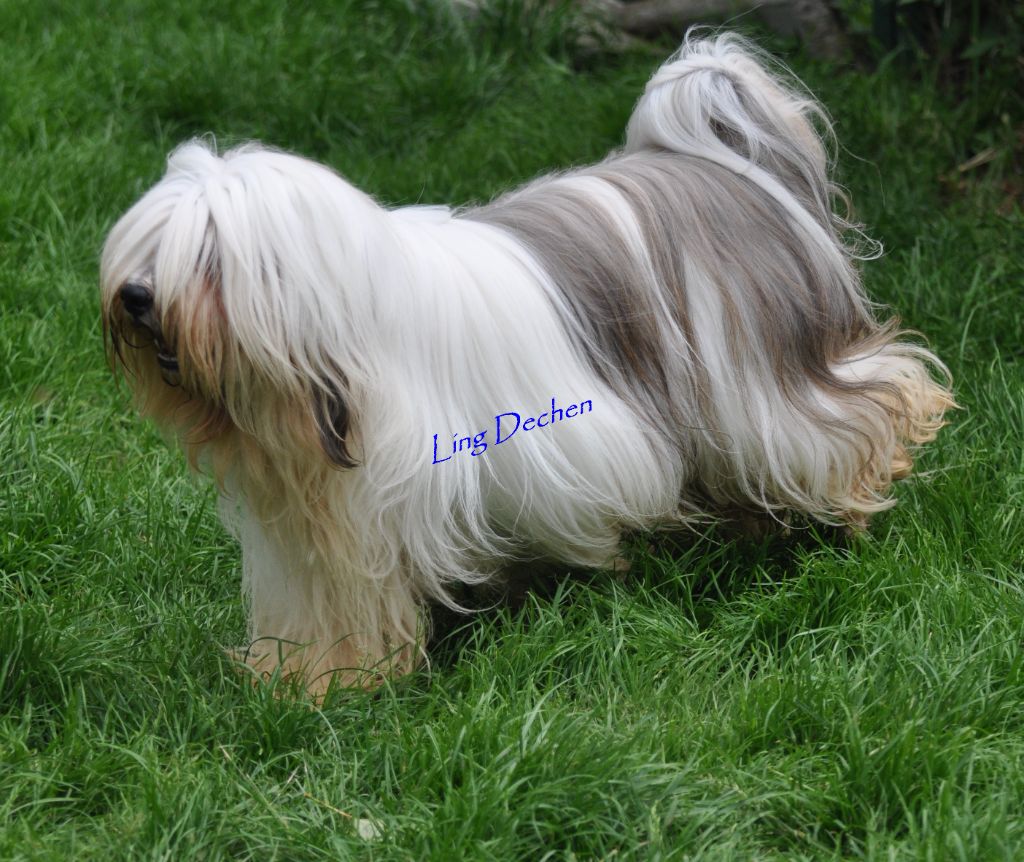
306 670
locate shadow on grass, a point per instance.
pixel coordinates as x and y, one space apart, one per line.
696 570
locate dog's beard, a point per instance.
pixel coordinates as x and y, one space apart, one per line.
696 289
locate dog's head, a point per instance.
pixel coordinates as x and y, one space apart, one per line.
224 301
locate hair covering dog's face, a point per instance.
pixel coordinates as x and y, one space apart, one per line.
208 321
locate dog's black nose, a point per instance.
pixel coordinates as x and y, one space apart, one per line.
137 299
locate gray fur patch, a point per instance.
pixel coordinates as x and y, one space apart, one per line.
787 314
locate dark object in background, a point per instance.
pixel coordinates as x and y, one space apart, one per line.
953 31
975 51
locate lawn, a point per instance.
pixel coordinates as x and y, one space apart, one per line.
785 698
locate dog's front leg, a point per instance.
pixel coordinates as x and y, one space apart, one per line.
314 620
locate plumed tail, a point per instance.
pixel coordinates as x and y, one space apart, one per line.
725 100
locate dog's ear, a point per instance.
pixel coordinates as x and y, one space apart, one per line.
333 423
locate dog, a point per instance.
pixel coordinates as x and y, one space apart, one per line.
366 385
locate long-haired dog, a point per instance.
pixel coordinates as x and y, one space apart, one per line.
685 317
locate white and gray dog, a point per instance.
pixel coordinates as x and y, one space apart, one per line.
681 325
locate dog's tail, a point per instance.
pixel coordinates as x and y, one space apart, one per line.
723 99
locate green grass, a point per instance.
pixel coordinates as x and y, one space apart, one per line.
789 699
